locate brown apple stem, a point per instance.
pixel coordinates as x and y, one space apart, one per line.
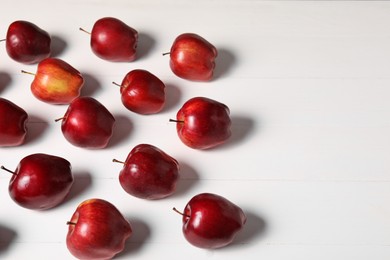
184 215
27 72
59 119
70 223
2 40
166 53
7 170
176 121
81 29
116 84
117 161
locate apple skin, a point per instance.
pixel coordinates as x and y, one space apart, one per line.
87 123
56 82
211 221
113 40
149 173
27 43
192 57
41 181
203 123
13 120
97 230
142 92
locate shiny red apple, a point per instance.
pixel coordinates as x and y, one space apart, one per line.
149 173
192 57
87 123
211 221
97 230
114 40
40 181
142 92
56 82
13 121
203 123
27 43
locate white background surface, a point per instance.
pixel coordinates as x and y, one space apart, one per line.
308 86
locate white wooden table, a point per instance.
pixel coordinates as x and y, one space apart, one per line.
308 86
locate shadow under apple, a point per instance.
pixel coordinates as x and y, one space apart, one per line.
122 130
145 44
172 96
58 45
36 126
5 80
135 243
81 182
91 85
242 128
187 180
253 229
224 62
7 236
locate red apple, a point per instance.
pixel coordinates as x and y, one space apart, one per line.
56 82
142 92
211 221
192 57
40 181
87 123
149 173
113 40
13 120
97 230
203 123
27 43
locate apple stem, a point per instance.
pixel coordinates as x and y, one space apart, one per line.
2 40
81 29
70 223
184 215
7 170
166 53
116 84
27 72
176 121
117 161
59 119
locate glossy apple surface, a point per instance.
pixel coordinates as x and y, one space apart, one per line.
27 43
113 40
149 173
192 57
41 181
211 221
56 82
203 123
142 92
13 121
97 230
87 123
